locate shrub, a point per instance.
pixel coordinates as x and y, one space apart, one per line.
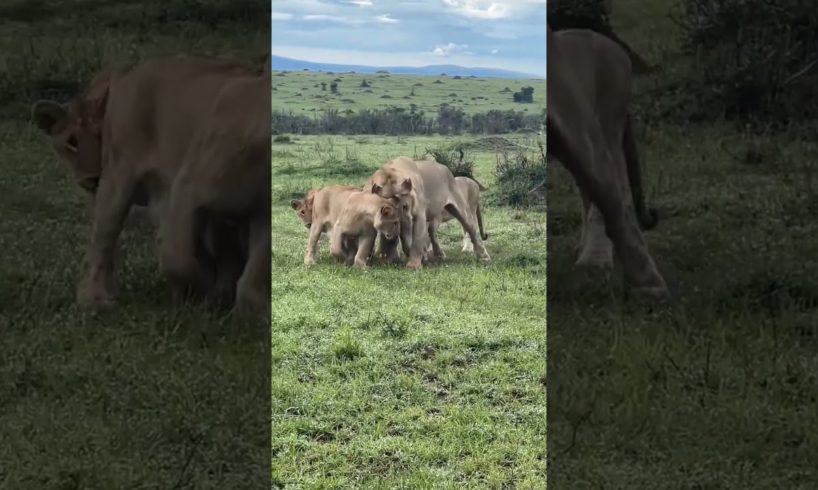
525 95
454 159
754 58
516 175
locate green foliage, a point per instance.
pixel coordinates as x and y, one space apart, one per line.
526 95
755 59
454 158
518 172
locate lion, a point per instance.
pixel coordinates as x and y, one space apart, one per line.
470 189
303 207
320 212
430 187
363 217
226 173
124 140
588 131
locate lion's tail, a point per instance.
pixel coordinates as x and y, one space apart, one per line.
479 213
648 217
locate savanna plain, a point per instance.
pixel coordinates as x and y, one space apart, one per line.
387 378
145 395
718 388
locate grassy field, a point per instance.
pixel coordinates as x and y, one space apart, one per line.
391 379
301 92
717 389
143 396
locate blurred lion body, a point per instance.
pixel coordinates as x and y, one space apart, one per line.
588 131
125 139
226 174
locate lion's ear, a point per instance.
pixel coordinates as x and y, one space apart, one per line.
405 187
295 204
47 114
376 189
387 210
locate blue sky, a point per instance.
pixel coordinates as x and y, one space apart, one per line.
507 34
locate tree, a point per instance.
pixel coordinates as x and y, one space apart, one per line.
525 95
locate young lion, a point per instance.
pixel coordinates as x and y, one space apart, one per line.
362 219
303 207
470 190
325 205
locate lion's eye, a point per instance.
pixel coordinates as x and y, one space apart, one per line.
72 143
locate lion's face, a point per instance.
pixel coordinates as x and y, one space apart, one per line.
303 209
388 187
387 221
404 205
76 138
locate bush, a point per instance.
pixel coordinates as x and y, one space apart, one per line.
454 159
516 176
578 14
754 58
282 139
400 121
525 95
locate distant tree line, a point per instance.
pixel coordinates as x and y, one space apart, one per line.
401 121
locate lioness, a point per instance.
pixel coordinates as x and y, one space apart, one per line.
362 218
326 205
124 140
430 189
470 190
226 173
589 92
303 207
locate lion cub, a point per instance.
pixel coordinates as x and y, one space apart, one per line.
364 217
303 207
319 212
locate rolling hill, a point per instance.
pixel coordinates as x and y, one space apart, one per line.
281 63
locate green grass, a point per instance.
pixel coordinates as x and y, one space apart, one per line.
717 389
388 378
143 396
301 92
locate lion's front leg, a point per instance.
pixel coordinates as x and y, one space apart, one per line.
253 288
366 242
387 249
312 242
111 205
420 236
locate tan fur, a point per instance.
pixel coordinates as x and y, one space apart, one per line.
226 173
589 82
303 207
431 188
470 190
362 218
125 139
327 204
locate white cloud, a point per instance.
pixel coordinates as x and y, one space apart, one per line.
494 51
385 19
280 16
360 3
478 9
450 49
326 18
